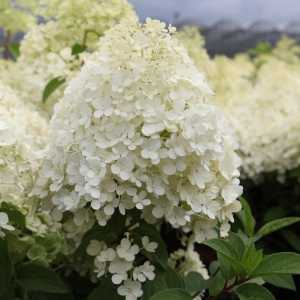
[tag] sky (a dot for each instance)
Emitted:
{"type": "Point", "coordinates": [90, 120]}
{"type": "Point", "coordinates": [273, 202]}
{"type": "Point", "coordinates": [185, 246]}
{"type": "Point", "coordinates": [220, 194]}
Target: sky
{"type": "Point", "coordinates": [208, 12]}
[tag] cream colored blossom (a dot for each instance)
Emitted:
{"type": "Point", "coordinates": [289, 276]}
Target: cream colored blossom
{"type": "Point", "coordinates": [23, 138]}
{"type": "Point", "coordinates": [194, 42]}
{"type": "Point", "coordinates": [46, 50]}
{"type": "Point", "coordinates": [261, 98]}
{"type": "Point", "coordinates": [17, 15]}
{"type": "Point", "coordinates": [135, 130]}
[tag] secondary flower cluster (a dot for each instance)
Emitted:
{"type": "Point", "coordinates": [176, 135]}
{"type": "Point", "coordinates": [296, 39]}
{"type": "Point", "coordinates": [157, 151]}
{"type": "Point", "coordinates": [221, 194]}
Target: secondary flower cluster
{"type": "Point", "coordinates": [259, 94]}
{"type": "Point", "coordinates": [120, 263]}
{"type": "Point", "coordinates": [50, 49]}
{"type": "Point", "coordinates": [23, 137]}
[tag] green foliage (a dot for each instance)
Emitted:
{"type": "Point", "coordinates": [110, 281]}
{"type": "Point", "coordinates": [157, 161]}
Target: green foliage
{"type": "Point", "coordinates": [33, 277]}
{"type": "Point", "coordinates": [78, 48]}
{"type": "Point", "coordinates": [6, 272]}
{"type": "Point", "coordinates": [172, 294]}
{"type": "Point", "coordinates": [276, 225]}
{"type": "Point", "coordinates": [52, 86]}
{"type": "Point", "coordinates": [284, 281]}
{"type": "Point", "coordinates": [14, 49]}
{"type": "Point", "coordinates": [252, 291]}
{"type": "Point", "coordinates": [278, 263]}
{"type": "Point", "coordinates": [16, 217]}
{"type": "Point", "coordinates": [261, 48]}
{"type": "Point", "coordinates": [105, 290]}
{"type": "Point", "coordinates": [195, 283]}
{"type": "Point", "coordinates": [160, 256]}
{"type": "Point", "coordinates": [246, 218]}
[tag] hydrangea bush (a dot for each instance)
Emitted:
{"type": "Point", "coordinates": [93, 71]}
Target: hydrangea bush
{"type": "Point", "coordinates": [117, 159]}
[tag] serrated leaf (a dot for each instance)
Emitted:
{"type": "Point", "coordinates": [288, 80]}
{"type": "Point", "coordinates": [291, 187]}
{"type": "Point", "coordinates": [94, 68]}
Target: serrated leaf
{"type": "Point", "coordinates": [223, 247]}
{"type": "Point", "coordinates": [284, 281]}
{"type": "Point", "coordinates": [278, 263]}
{"type": "Point", "coordinates": [246, 217]}
{"type": "Point", "coordinates": [275, 225]}
{"type": "Point", "coordinates": [52, 86]}
{"type": "Point", "coordinates": [172, 294]}
{"type": "Point", "coordinates": [33, 277]}
{"type": "Point", "coordinates": [252, 291]}
{"type": "Point", "coordinates": [6, 268]}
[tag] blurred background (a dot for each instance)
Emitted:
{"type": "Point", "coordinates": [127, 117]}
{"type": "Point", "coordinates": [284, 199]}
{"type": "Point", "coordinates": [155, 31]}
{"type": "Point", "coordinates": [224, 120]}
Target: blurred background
{"type": "Point", "coordinates": [229, 26]}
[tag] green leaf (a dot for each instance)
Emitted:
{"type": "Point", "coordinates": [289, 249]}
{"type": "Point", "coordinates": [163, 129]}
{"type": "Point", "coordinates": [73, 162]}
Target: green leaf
{"type": "Point", "coordinates": [252, 291]}
{"type": "Point", "coordinates": [172, 294]}
{"type": "Point", "coordinates": [194, 282]}
{"type": "Point", "coordinates": [223, 247]}
{"type": "Point", "coordinates": [106, 291]}
{"type": "Point", "coordinates": [278, 263]}
{"type": "Point", "coordinates": [165, 279]}
{"type": "Point", "coordinates": [217, 284]}
{"type": "Point", "coordinates": [174, 279]}
{"type": "Point", "coordinates": [246, 218]}
{"type": "Point", "coordinates": [292, 238]}
{"type": "Point", "coordinates": [152, 287]}
{"type": "Point", "coordinates": [33, 277]}
{"type": "Point", "coordinates": [110, 233]}
{"type": "Point", "coordinates": [261, 48]}
{"type": "Point", "coordinates": [78, 48]}
{"type": "Point", "coordinates": [16, 218]}
{"type": "Point", "coordinates": [160, 256]}
{"type": "Point", "coordinates": [14, 49]}
{"type": "Point", "coordinates": [275, 225]}
{"type": "Point", "coordinates": [225, 267]}
{"type": "Point", "coordinates": [251, 258]}
{"type": "Point", "coordinates": [284, 281]}
{"type": "Point", "coordinates": [6, 268]}
{"type": "Point", "coordinates": [52, 86]}
{"type": "Point", "coordinates": [47, 296]}
{"type": "Point", "coordinates": [237, 244]}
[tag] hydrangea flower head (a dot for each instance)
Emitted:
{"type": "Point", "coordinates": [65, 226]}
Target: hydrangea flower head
{"type": "Point", "coordinates": [23, 137]}
{"type": "Point", "coordinates": [47, 48]}
{"type": "Point", "coordinates": [134, 131]}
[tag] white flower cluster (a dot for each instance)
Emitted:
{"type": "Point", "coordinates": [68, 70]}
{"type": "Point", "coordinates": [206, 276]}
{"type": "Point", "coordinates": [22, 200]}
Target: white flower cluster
{"type": "Point", "coordinates": [134, 131]}
{"type": "Point", "coordinates": [17, 15]}
{"type": "Point", "coordinates": [120, 263]}
{"type": "Point", "coordinates": [260, 97]}
{"type": "Point", "coordinates": [23, 137]}
{"type": "Point", "coordinates": [4, 224]}
{"type": "Point", "coordinates": [187, 261]}
{"type": "Point", "coordinates": [194, 42]}
{"type": "Point", "coordinates": [262, 102]}
{"type": "Point", "coordinates": [46, 50]}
